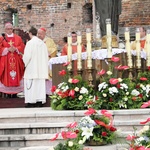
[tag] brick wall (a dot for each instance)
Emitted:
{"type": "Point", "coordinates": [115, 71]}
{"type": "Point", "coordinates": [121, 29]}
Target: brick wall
{"type": "Point", "coordinates": [135, 13]}
{"type": "Point", "coordinates": [61, 16]}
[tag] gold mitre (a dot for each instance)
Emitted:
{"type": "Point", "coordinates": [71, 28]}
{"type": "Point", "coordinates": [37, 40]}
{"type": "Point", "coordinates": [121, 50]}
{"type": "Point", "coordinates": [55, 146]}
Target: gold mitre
{"type": "Point", "coordinates": [114, 41]}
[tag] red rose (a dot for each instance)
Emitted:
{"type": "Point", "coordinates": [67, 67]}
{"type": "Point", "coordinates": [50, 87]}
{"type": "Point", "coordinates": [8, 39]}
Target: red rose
{"type": "Point", "coordinates": [112, 129]}
{"type": "Point", "coordinates": [53, 89]}
{"type": "Point", "coordinates": [62, 73]}
{"type": "Point", "coordinates": [110, 99]}
{"type": "Point", "coordinates": [140, 95]}
{"type": "Point", "coordinates": [118, 86]}
{"type": "Point", "coordinates": [104, 133]}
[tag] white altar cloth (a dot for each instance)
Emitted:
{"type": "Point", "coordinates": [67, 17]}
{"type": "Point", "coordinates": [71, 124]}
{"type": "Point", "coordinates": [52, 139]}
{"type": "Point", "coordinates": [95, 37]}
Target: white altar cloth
{"type": "Point", "coordinates": [96, 54]}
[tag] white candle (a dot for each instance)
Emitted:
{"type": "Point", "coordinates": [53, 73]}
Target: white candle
{"type": "Point", "coordinates": [148, 48]}
{"type": "Point", "coordinates": [79, 63]}
{"type": "Point", "coordinates": [128, 49]}
{"type": "Point", "coordinates": [138, 48]}
{"type": "Point", "coordinates": [108, 33]}
{"type": "Point", "coordinates": [89, 48]}
{"type": "Point", "coordinates": [69, 51]}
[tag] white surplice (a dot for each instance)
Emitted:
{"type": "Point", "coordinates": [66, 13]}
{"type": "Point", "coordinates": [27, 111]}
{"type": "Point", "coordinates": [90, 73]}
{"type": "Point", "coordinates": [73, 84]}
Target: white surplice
{"type": "Point", "coordinates": [36, 70]}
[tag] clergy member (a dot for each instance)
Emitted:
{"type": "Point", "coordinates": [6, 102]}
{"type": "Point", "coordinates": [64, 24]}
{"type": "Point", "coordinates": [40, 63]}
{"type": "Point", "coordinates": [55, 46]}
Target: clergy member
{"type": "Point", "coordinates": [36, 70]}
{"type": "Point", "coordinates": [52, 51]}
{"type": "Point", "coordinates": [74, 45]}
{"type": "Point", "coordinates": [142, 39]}
{"type": "Point", "coordinates": [11, 64]}
{"type": "Point", "coordinates": [52, 48]}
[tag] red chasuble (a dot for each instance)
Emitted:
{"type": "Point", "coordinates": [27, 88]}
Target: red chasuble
{"type": "Point", "coordinates": [142, 42]}
{"type": "Point", "coordinates": [11, 64]}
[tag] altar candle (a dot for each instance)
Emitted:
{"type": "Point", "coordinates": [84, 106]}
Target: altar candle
{"type": "Point", "coordinates": [127, 39]}
{"type": "Point", "coordinates": [89, 48]}
{"type": "Point", "coordinates": [128, 49]}
{"type": "Point", "coordinates": [69, 53]}
{"type": "Point", "coordinates": [148, 48]}
{"type": "Point", "coordinates": [138, 48]}
{"type": "Point", "coordinates": [79, 64]}
{"type": "Point", "coordinates": [108, 33]}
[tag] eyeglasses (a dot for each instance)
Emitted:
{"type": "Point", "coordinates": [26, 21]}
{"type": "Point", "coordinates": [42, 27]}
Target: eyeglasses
{"type": "Point", "coordinates": [9, 28]}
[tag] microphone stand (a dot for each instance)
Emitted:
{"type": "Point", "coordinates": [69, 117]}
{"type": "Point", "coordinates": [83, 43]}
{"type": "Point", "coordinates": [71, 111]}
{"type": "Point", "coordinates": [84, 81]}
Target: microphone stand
{"type": "Point", "coordinates": [2, 40]}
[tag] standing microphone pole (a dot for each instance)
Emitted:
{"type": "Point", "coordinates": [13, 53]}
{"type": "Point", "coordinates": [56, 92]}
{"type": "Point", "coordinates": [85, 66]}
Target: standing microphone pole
{"type": "Point", "coordinates": [4, 38]}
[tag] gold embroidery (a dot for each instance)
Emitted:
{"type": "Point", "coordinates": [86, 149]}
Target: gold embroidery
{"type": "Point", "coordinates": [10, 42]}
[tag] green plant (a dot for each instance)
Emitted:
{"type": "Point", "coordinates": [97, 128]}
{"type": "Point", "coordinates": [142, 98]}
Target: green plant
{"type": "Point", "coordinates": [94, 127]}
{"type": "Point", "coordinates": [140, 140]}
{"type": "Point", "coordinates": [71, 94]}
{"type": "Point", "coordinates": [120, 93]}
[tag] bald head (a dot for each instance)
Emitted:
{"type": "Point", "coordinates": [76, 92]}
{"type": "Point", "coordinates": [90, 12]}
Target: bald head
{"type": "Point", "coordinates": [41, 33]}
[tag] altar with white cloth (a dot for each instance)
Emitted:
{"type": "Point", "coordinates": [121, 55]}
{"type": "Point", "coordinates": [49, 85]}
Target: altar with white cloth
{"type": "Point", "coordinates": [99, 62]}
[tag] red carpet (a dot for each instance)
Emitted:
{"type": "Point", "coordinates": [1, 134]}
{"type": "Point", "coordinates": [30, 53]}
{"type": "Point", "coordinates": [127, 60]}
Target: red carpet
{"type": "Point", "coordinates": [17, 102]}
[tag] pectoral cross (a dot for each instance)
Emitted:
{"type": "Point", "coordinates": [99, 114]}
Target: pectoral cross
{"type": "Point", "coordinates": [10, 42]}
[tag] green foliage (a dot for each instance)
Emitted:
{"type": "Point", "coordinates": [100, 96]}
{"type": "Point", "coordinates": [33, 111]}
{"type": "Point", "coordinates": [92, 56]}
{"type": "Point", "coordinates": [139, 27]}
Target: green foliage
{"type": "Point", "coordinates": [69, 145]}
{"type": "Point", "coordinates": [72, 96]}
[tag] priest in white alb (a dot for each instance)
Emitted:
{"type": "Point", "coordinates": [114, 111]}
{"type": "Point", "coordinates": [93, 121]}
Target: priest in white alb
{"type": "Point", "coordinates": [36, 70]}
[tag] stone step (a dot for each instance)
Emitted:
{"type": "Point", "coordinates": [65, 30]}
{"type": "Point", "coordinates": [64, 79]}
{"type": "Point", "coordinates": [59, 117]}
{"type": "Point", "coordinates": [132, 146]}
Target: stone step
{"type": "Point", "coordinates": [25, 127]}
{"type": "Point", "coordinates": [9, 148]}
{"type": "Point", "coordinates": [46, 114]}
{"type": "Point", "coordinates": [25, 140]}
{"type": "Point", "coordinates": [42, 139]}
{"type": "Point", "coordinates": [42, 127]}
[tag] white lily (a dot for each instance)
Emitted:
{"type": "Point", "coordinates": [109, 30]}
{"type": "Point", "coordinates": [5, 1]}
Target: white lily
{"type": "Point", "coordinates": [87, 132]}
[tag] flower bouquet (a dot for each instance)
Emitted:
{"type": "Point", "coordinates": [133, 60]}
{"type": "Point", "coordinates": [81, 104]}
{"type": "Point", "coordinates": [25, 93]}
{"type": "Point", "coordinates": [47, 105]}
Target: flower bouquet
{"type": "Point", "coordinates": [120, 93]}
{"type": "Point", "coordinates": [113, 93]}
{"type": "Point", "coordinates": [71, 94]}
{"type": "Point", "coordinates": [141, 90]}
{"type": "Point", "coordinates": [96, 129]}
{"type": "Point", "coordinates": [140, 140]}
{"type": "Point", "coordinates": [93, 129]}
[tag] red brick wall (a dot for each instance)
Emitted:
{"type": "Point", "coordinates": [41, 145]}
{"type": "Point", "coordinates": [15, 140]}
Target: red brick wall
{"type": "Point", "coordinates": [135, 13]}
{"type": "Point", "coordinates": [47, 12]}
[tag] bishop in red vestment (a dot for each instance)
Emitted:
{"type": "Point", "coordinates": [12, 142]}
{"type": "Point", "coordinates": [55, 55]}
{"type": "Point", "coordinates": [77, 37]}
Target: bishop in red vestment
{"type": "Point", "coordinates": [11, 63]}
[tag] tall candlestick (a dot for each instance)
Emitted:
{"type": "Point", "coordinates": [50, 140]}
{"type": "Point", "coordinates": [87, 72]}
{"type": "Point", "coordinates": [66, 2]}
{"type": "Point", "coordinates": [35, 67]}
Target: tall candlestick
{"type": "Point", "coordinates": [148, 48]}
{"type": "Point", "coordinates": [79, 63]}
{"type": "Point", "coordinates": [128, 49]}
{"type": "Point", "coordinates": [69, 53]}
{"type": "Point", "coordinates": [109, 38]}
{"type": "Point", "coordinates": [138, 48]}
{"type": "Point", "coordinates": [89, 48]}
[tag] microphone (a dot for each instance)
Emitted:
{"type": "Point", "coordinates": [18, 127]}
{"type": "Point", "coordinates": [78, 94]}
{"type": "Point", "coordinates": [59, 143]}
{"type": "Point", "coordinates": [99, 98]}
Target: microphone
{"type": "Point", "coordinates": [4, 36]}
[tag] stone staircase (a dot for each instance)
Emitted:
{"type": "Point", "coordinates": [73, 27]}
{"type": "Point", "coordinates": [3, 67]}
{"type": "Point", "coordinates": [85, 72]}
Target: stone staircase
{"type": "Point", "coordinates": [25, 127]}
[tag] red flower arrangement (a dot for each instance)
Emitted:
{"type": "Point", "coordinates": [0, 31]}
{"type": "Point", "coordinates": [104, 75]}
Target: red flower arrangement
{"type": "Point", "coordinates": [94, 128]}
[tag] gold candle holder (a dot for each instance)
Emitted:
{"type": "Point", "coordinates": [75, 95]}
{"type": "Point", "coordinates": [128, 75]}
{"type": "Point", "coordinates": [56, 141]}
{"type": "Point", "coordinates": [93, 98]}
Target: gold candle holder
{"type": "Point", "coordinates": [89, 56]}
